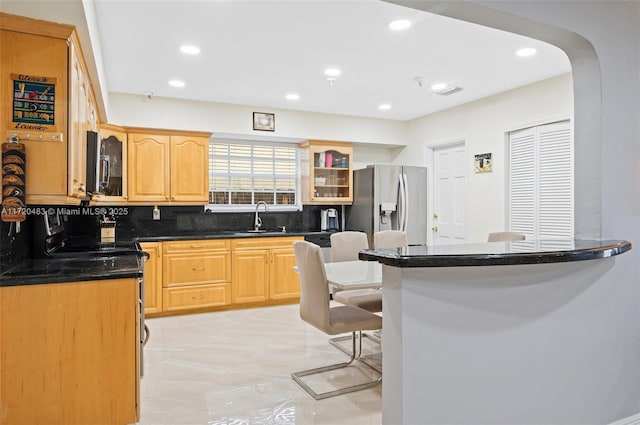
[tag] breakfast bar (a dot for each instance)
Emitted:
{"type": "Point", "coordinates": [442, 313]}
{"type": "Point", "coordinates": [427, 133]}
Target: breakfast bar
{"type": "Point", "coordinates": [501, 332]}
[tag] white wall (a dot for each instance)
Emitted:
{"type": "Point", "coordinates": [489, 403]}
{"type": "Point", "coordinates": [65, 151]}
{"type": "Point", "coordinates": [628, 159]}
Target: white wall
{"type": "Point", "coordinates": [482, 125]}
{"type": "Point", "coordinates": [157, 112]}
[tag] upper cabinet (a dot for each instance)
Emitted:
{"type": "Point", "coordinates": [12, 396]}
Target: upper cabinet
{"type": "Point", "coordinates": [110, 174]}
{"type": "Point", "coordinates": [52, 106]}
{"type": "Point", "coordinates": [168, 166]}
{"type": "Point", "coordinates": [326, 169]}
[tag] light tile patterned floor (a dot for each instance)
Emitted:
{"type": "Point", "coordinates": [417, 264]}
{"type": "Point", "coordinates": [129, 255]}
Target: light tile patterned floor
{"type": "Point", "coordinates": [234, 367]}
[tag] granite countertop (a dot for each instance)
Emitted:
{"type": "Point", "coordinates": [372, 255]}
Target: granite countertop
{"type": "Point", "coordinates": [230, 234]}
{"type": "Point", "coordinates": [497, 253]}
{"type": "Point", "coordinates": [81, 268]}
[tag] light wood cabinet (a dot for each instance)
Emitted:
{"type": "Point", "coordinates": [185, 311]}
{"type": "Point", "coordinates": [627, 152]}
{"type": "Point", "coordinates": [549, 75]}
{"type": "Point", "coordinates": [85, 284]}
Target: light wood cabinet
{"type": "Point", "coordinates": [56, 156]}
{"type": "Point", "coordinates": [166, 167]}
{"type": "Point", "coordinates": [263, 269]}
{"type": "Point", "coordinates": [326, 171]}
{"type": "Point", "coordinates": [113, 150]}
{"type": "Point", "coordinates": [196, 274]}
{"type": "Point", "coordinates": [153, 278]}
{"type": "Point", "coordinates": [70, 353]}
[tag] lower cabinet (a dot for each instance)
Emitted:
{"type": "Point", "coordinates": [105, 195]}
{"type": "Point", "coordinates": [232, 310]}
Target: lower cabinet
{"type": "Point", "coordinates": [199, 274]}
{"type": "Point", "coordinates": [263, 269]}
{"type": "Point", "coordinates": [152, 278]}
{"type": "Point", "coordinates": [70, 353]}
{"type": "Point", "coordinates": [196, 274]}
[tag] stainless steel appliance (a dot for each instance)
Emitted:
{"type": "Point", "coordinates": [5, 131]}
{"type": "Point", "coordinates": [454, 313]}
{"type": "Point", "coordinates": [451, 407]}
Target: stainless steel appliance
{"type": "Point", "coordinates": [329, 220]}
{"type": "Point", "coordinates": [390, 197]}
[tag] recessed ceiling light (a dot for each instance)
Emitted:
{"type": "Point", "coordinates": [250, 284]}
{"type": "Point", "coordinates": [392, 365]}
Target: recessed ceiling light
{"type": "Point", "coordinates": [190, 50]}
{"type": "Point", "coordinates": [384, 107]}
{"type": "Point", "coordinates": [528, 51]}
{"type": "Point", "coordinates": [438, 86]}
{"type": "Point", "coordinates": [176, 83]}
{"type": "Point", "coordinates": [332, 72]}
{"type": "Point", "coordinates": [399, 24]}
{"type": "Point", "coordinates": [292, 96]}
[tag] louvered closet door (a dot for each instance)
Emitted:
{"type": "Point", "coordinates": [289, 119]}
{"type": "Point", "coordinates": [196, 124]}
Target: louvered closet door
{"type": "Point", "coordinates": [541, 181]}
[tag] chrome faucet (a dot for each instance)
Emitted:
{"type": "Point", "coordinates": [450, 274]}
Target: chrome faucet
{"type": "Point", "coordinates": [258, 221]}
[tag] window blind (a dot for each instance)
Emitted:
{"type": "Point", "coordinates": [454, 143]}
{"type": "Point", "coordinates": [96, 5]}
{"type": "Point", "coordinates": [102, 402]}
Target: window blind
{"type": "Point", "coordinates": [247, 173]}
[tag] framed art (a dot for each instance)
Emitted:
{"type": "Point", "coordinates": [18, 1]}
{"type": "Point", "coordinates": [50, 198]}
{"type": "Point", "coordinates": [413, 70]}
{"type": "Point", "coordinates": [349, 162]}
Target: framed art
{"type": "Point", "coordinates": [483, 163]}
{"type": "Point", "coordinates": [264, 121]}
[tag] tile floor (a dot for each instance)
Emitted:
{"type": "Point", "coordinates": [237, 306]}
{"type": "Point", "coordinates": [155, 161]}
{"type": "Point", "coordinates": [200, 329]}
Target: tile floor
{"type": "Point", "coordinates": [234, 367]}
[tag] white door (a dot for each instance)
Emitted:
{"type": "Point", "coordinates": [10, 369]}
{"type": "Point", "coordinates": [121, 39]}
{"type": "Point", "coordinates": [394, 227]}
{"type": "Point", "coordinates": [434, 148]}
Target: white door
{"type": "Point", "coordinates": [450, 194]}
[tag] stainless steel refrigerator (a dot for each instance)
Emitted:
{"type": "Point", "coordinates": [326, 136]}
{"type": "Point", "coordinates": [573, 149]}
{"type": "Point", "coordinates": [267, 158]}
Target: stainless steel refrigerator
{"type": "Point", "coordinates": [390, 197]}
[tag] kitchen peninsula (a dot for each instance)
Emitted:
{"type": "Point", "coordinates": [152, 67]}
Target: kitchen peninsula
{"type": "Point", "coordinates": [503, 332]}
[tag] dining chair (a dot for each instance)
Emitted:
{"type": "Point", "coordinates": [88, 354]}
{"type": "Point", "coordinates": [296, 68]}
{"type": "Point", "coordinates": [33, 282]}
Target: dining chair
{"type": "Point", "coordinates": [315, 309]}
{"type": "Point", "coordinates": [505, 236]}
{"type": "Point", "coordinates": [345, 246]}
{"type": "Point", "coordinates": [389, 239]}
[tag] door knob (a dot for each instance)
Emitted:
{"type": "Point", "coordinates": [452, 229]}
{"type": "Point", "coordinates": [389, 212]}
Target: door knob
{"type": "Point", "coordinates": [435, 228]}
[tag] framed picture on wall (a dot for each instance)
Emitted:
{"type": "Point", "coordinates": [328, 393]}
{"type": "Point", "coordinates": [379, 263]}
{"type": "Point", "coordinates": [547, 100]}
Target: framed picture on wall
{"type": "Point", "coordinates": [483, 163]}
{"type": "Point", "coordinates": [264, 121]}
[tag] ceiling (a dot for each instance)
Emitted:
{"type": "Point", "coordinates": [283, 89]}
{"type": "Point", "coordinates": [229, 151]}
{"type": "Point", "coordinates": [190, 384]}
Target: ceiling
{"type": "Point", "coordinates": [256, 52]}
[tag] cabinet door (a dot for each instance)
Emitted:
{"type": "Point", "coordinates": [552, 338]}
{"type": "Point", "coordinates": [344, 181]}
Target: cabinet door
{"type": "Point", "coordinates": [148, 170]}
{"type": "Point", "coordinates": [112, 173]}
{"type": "Point", "coordinates": [35, 55]}
{"type": "Point", "coordinates": [327, 173]}
{"type": "Point", "coordinates": [76, 184]}
{"type": "Point", "coordinates": [153, 278]}
{"type": "Point", "coordinates": [195, 269]}
{"type": "Point", "coordinates": [189, 169]}
{"type": "Point", "coordinates": [284, 283]}
{"type": "Point", "coordinates": [250, 282]}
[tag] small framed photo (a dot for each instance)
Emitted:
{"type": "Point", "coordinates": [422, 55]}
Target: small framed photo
{"type": "Point", "coordinates": [264, 122]}
{"type": "Point", "coordinates": [483, 163]}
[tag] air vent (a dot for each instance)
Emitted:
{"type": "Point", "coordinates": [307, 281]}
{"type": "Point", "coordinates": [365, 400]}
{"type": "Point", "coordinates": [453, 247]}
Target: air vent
{"type": "Point", "coordinates": [447, 91]}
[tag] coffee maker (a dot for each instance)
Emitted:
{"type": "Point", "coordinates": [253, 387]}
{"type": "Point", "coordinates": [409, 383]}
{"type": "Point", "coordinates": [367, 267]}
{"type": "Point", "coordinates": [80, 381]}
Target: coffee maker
{"type": "Point", "coordinates": [329, 220]}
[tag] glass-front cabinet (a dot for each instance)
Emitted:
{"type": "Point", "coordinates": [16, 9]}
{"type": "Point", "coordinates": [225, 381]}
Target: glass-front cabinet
{"type": "Point", "coordinates": [326, 169]}
{"type": "Point", "coordinates": [111, 166]}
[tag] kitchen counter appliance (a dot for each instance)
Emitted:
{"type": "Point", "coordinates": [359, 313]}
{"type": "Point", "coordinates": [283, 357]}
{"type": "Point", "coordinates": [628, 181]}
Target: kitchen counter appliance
{"type": "Point", "coordinates": [329, 220]}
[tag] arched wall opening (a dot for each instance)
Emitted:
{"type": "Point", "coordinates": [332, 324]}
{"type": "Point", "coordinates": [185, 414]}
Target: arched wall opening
{"type": "Point", "coordinates": [587, 97]}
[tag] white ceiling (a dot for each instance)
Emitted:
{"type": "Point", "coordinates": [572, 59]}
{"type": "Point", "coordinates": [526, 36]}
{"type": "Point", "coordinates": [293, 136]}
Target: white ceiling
{"type": "Point", "coordinates": [255, 52]}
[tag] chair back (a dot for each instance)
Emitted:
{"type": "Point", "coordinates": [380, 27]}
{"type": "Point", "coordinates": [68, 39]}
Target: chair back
{"type": "Point", "coordinates": [389, 239]}
{"type": "Point", "coordinates": [314, 288]}
{"type": "Point", "coordinates": [346, 245]}
{"type": "Point", "coordinates": [505, 236]}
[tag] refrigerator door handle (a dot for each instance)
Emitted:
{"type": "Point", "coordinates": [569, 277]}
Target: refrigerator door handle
{"type": "Point", "coordinates": [405, 207]}
{"type": "Point", "coordinates": [402, 203]}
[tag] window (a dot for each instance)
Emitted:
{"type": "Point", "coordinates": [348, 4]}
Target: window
{"type": "Point", "coordinates": [541, 181]}
{"type": "Point", "coordinates": [243, 173]}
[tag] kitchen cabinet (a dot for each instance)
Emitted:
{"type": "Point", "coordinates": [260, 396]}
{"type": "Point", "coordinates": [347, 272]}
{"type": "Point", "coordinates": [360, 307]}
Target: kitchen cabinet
{"type": "Point", "coordinates": [263, 270]}
{"type": "Point", "coordinates": [326, 171]}
{"type": "Point", "coordinates": [113, 164]}
{"type": "Point", "coordinates": [70, 353]}
{"type": "Point", "coordinates": [196, 274]}
{"type": "Point", "coordinates": [55, 140]}
{"type": "Point", "coordinates": [167, 166]}
{"type": "Point", "coordinates": [152, 278]}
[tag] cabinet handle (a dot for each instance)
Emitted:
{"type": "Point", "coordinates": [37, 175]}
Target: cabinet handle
{"type": "Point", "coordinates": [198, 268]}
{"type": "Point", "coordinates": [196, 246]}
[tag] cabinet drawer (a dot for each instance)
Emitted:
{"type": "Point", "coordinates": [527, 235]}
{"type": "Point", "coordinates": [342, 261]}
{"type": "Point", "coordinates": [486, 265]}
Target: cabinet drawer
{"type": "Point", "coordinates": [189, 269]}
{"type": "Point", "coordinates": [195, 246]}
{"type": "Point", "coordinates": [188, 297]}
{"type": "Point", "coordinates": [265, 242]}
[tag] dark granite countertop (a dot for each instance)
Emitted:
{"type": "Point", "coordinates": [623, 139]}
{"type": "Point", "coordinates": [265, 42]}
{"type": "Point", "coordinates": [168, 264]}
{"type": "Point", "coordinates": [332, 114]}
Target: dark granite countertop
{"type": "Point", "coordinates": [497, 253]}
{"type": "Point", "coordinates": [230, 234]}
{"type": "Point", "coordinates": [78, 269]}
